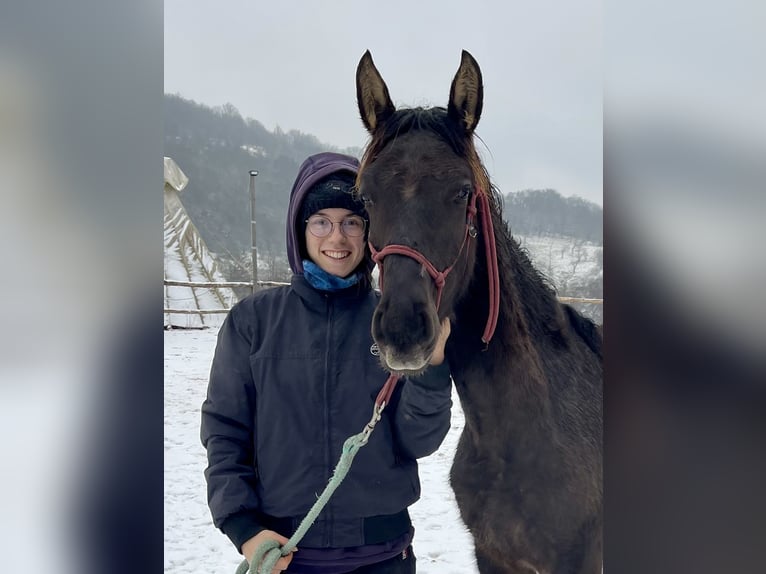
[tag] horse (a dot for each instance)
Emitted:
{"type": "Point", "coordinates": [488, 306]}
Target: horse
{"type": "Point", "coordinates": [527, 473]}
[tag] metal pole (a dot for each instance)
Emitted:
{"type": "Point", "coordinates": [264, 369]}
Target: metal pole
{"type": "Point", "coordinates": [254, 253]}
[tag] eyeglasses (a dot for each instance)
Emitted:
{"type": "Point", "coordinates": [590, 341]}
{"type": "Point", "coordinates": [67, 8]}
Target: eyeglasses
{"type": "Point", "coordinates": [321, 226]}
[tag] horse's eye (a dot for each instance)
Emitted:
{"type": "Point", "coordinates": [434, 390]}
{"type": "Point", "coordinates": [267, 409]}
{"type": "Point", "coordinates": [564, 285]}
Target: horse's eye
{"type": "Point", "coordinates": [464, 192]}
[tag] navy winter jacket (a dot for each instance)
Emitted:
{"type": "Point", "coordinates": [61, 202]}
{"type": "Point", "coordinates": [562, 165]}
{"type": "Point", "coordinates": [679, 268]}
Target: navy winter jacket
{"type": "Point", "coordinates": [294, 375]}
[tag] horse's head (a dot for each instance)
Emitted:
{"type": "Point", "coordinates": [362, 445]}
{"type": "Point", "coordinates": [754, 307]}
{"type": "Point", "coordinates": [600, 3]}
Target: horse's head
{"type": "Point", "coordinates": [419, 180]}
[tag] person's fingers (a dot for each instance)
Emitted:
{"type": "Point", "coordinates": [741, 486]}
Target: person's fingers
{"type": "Point", "coordinates": [281, 539]}
{"type": "Point", "coordinates": [250, 547]}
{"type": "Point", "coordinates": [437, 357]}
{"type": "Point", "coordinates": [283, 563]}
{"type": "Point", "coordinates": [446, 329]}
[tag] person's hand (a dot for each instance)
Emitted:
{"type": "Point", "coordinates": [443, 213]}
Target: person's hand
{"type": "Point", "coordinates": [437, 357]}
{"type": "Point", "coordinates": [249, 548]}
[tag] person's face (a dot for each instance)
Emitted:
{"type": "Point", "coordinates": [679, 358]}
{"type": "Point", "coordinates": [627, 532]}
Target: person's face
{"type": "Point", "coordinates": [336, 253]}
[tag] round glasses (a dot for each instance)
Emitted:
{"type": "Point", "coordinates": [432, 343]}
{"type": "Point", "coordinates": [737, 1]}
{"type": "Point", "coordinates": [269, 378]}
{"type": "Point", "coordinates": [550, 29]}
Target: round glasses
{"type": "Point", "coordinates": [321, 226]}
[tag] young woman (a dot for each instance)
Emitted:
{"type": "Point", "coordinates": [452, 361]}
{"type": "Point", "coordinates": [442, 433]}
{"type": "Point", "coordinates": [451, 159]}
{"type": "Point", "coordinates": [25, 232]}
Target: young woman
{"type": "Point", "coordinates": [295, 374]}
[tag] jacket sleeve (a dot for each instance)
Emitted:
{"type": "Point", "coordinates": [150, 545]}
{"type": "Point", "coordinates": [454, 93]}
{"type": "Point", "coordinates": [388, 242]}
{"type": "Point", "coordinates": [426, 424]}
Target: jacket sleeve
{"type": "Point", "coordinates": [228, 424]}
{"type": "Point", "coordinates": [422, 412]}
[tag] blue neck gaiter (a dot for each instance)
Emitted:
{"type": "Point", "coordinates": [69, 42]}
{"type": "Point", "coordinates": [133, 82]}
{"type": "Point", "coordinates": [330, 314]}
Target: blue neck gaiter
{"type": "Point", "coordinates": [324, 281]}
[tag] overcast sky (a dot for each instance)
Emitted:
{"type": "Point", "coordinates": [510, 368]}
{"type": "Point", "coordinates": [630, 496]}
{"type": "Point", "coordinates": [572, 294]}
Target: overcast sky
{"type": "Point", "coordinates": [292, 63]}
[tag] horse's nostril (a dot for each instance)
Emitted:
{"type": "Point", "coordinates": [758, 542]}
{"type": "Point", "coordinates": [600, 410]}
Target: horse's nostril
{"type": "Point", "coordinates": [425, 326]}
{"type": "Point", "coordinates": [377, 329]}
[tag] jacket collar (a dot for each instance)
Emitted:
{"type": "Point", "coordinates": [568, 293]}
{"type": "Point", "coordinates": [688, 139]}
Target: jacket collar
{"type": "Point", "coordinates": [316, 298]}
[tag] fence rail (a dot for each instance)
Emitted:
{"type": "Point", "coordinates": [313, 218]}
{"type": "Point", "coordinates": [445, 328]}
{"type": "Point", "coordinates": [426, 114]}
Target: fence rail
{"type": "Point", "coordinates": [581, 300]}
{"type": "Point", "coordinates": [249, 284]}
{"type": "Point", "coordinates": [195, 311]}
{"type": "Point", "coordinates": [221, 284]}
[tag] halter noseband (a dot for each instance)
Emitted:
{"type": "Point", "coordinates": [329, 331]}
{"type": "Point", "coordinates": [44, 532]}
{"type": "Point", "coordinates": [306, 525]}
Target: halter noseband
{"type": "Point", "coordinates": [440, 277]}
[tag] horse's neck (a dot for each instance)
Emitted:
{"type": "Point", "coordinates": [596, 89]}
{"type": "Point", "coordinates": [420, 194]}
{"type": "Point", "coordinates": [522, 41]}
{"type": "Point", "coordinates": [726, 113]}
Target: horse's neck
{"type": "Point", "coordinates": [508, 371]}
{"type": "Point", "coordinates": [529, 309]}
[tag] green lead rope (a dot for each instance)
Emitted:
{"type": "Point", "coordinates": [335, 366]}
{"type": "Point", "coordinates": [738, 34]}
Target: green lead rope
{"type": "Point", "coordinates": [269, 552]}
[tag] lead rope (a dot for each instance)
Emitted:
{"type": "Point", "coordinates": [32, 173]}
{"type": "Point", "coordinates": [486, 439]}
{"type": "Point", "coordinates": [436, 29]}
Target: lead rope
{"type": "Point", "coordinates": [269, 552]}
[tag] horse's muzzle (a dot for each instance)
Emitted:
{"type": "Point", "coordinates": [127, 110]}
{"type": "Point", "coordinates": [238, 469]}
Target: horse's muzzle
{"type": "Point", "coordinates": [406, 334]}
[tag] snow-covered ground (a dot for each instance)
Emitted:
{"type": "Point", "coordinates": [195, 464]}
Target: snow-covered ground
{"type": "Point", "coordinates": [194, 546]}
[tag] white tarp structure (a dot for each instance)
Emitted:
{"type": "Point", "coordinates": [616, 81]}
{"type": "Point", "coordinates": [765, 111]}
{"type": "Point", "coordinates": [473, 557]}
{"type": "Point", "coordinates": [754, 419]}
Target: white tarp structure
{"type": "Point", "coordinates": [188, 259]}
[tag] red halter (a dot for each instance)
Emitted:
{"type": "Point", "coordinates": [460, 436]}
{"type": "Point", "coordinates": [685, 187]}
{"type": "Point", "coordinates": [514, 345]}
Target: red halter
{"type": "Point", "coordinates": [439, 277]}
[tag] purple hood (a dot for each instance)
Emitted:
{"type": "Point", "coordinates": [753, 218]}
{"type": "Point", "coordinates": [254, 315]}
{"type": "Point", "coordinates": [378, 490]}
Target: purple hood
{"type": "Point", "coordinates": [312, 170]}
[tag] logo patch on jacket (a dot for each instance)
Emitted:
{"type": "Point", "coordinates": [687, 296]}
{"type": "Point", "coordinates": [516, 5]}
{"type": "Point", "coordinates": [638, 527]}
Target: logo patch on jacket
{"type": "Point", "coordinates": [374, 350]}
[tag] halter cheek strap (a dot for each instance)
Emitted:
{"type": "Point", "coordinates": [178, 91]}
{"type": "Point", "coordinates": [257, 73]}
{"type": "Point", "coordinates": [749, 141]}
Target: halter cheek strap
{"type": "Point", "coordinates": [440, 277]}
{"type": "Point", "coordinates": [493, 278]}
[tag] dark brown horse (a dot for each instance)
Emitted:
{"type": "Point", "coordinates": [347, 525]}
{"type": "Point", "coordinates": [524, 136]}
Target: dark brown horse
{"type": "Point", "coordinates": [527, 472]}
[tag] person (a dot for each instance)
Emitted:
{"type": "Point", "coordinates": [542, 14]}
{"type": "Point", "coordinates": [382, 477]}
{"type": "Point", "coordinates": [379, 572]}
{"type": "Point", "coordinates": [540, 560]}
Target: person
{"type": "Point", "coordinates": [295, 373]}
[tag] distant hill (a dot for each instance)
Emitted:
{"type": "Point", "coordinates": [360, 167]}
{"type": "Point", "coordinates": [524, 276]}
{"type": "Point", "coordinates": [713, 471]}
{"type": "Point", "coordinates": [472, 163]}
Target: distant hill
{"type": "Point", "coordinates": [216, 147]}
{"type": "Point", "coordinates": [547, 212]}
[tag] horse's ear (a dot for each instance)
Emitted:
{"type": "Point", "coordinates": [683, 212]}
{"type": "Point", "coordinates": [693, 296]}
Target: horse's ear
{"type": "Point", "coordinates": [375, 105]}
{"type": "Point", "coordinates": [466, 96]}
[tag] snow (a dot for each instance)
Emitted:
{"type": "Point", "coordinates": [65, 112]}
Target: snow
{"type": "Point", "coordinates": [567, 262]}
{"type": "Point", "coordinates": [193, 545]}
{"type": "Point", "coordinates": [188, 259]}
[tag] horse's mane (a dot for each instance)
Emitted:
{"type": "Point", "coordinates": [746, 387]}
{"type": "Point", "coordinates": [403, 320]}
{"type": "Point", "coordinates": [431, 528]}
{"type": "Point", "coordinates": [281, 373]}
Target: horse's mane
{"type": "Point", "coordinates": [404, 120]}
{"type": "Point", "coordinates": [586, 329]}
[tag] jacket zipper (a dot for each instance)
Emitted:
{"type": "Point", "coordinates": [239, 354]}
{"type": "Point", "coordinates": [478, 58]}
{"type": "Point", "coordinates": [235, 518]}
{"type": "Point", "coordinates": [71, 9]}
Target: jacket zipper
{"type": "Point", "coordinates": [328, 434]}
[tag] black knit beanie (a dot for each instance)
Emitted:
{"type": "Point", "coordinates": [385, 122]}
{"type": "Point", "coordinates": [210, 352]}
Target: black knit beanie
{"type": "Point", "coordinates": [335, 190]}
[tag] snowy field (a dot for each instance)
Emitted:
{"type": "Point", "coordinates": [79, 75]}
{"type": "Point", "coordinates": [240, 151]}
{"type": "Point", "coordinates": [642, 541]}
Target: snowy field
{"type": "Point", "coordinates": [194, 546]}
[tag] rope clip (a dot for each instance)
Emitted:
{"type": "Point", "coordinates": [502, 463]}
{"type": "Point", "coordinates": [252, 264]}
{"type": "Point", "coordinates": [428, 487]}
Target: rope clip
{"type": "Point", "coordinates": [377, 410]}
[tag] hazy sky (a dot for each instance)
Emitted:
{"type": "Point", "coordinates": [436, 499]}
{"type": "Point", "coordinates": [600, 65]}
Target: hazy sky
{"type": "Point", "coordinates": [292, 63]}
